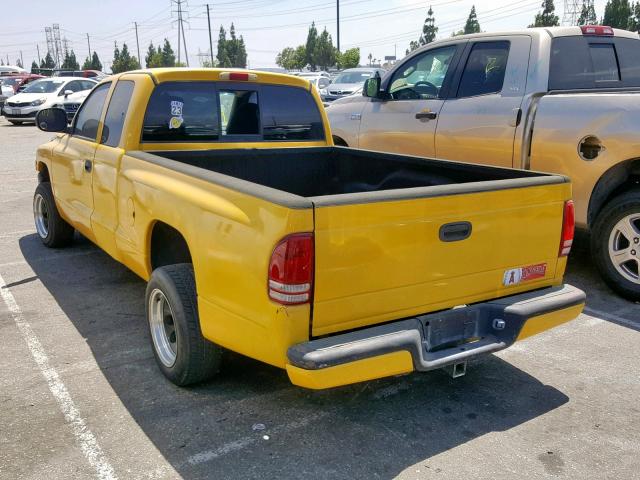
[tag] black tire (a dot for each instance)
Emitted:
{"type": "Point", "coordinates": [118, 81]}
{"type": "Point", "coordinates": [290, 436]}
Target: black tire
{"type": "Point", "coordinates": [623, 206]}
{"type": "Point", "coordinates": [15, 122]}
{"type": "Point", "coordinates": [196, 359]}
{"type": "Point", "coordinates": [56, 232]}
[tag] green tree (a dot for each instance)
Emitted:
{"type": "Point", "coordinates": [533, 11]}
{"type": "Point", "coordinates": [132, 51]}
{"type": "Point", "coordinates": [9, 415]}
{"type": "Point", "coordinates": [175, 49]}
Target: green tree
{"type": "Point", "coordinates": [588, 14]}
{"type": "Point", "coordinates": [310, 47]}
{"type": "Point", "coordinates": [413, 45]}
{"type": "Point", "coordinates": [34, 67]}
{"type": "Point", "coordinates": [617, 14]}
{"type": "Point", "coordinates": [325, 53]}
{"type": "Point", "coordinates": [634, 21]}
{"type": "Point", "coordinates": [546, 18]}
{"type": "Point", "coordinates": [168, 55]}
{"type": "Point", "coordinates": [70, 62]}
{"type": "Point", "coordinates": [123, 61]}
{"type": "Point", "coordinates": [429, 29]}
{"type": "Point", "coordinates": [349, 59]}
{"type": "Point", "coordinates": [47, 61]}
{"type": "Point", "coordinates": [222, 56]}
{"type": "Point", "coordinates": [287, 59]}
{"type": "Point", "coordinates": [472, 25]}
{"type": "Point", "coordinates": [92, 63]}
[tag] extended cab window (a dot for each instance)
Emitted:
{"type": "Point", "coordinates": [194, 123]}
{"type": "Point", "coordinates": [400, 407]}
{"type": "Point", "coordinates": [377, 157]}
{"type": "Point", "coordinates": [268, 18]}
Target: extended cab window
{"type": "Point", "coordinates": [182, 111]}
{"type": "Point", "coordinates": [422, 76]}
{"type": "Point", "coordinates": [290, 113]}
{"type": "Point", "coordinates": [117, 110]}
{"type": "Point", "coordinates": [485, 69]}
{"type": "Point", "coordinates": [239, 112]}
{"type": "Point", "coordinates": [88, 117]}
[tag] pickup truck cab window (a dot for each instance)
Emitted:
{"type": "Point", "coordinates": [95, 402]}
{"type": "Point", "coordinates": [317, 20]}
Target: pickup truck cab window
{"type": "Point", "coordinates": [485, 69]}
{"type": "Point", "coordinates": [239, 112]}
{"type": "Point", "coordinates": [182, 111]}
{"type": "Point", "coordinates": [88, 117]}
{"type": "Point", "coordinates": [290, 113]}
{"type": "Point", "coordinates": [422, 76]}
{"type": "Point", "coordinates": [116, 112]}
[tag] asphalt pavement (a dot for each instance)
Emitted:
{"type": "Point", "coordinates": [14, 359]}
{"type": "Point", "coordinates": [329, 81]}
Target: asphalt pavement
{"type": "Point", "coordinates": [81, 396]}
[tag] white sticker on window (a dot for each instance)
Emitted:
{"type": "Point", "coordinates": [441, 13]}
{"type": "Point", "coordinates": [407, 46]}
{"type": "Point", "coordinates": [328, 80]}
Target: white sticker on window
{"type": "Point", "coordinates": [176, 108]}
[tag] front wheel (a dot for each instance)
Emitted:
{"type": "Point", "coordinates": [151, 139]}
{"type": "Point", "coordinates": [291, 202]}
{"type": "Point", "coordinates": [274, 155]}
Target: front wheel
{"type": "Point", "coordinates": [52, 229]}
{"type": "Point", "coordinates": [184, 356]}
{"type": "Point", "coordinates": [615, 243]}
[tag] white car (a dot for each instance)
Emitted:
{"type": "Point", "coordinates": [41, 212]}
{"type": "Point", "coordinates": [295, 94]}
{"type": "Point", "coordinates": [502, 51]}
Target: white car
{"type": "Point", "coordinates": [71, 103]}
{"type": "Point", "coordinates": [41, 94]}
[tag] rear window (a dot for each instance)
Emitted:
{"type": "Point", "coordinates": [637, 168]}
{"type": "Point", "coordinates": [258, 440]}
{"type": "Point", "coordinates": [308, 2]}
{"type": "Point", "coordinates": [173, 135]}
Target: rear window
{"type": "Point", "coordinates": [227, 112]}
{"type": "Point", "coordinates": [594, 62]}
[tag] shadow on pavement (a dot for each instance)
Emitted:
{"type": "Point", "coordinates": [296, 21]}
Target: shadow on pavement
{"type": "Point", "coordinates": [371, 430]}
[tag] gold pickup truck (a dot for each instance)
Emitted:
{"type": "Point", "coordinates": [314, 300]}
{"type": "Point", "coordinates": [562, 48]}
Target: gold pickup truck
{"type": "Point", "coordinates": [223, 190]}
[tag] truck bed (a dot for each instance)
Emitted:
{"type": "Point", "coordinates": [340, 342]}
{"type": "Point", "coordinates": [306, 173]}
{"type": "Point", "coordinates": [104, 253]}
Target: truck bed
{"type": "Point", "coordinates": [319, 172]}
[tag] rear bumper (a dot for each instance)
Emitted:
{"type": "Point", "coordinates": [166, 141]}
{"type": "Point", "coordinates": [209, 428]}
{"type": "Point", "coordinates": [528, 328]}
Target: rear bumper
{"type": "Point", "coordinates": [430, 341]}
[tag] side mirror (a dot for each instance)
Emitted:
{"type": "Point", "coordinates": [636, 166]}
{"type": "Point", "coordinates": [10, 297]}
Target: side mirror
{"type": "Point", "coordinates": [371, 87]}
{"type": "Point", "coordinates": [67, 93]}
{"type": "Point", "coordinates": [52, 120]}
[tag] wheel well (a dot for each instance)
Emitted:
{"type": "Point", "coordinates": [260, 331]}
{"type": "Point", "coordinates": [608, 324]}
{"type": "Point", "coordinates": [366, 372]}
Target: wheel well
{"type": "Point", "coordinates": [339, 141]}
{"type": "Point", "coordinates": [168, 246]}
{"type": "Point", "coordinates": [43, 173]}
{"type": "Point", "coordinates": [615, 181]}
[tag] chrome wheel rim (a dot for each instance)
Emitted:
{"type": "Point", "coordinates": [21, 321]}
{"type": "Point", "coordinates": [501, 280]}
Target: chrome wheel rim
{"type": "Point", "coordinates": [624, 247]}
{"type": "Point", "coordinates": [163, 329]}
{"type": "Point", "coordinates": [41, 215]}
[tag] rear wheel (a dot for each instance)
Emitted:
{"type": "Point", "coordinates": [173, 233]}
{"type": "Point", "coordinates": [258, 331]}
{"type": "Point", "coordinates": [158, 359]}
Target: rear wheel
{"type": "Point", "coordinates": [615, 243]}
{"type": "Point", "coordinates": [184, 356]}
{"type": "Point", "coordinates": [52, 229]}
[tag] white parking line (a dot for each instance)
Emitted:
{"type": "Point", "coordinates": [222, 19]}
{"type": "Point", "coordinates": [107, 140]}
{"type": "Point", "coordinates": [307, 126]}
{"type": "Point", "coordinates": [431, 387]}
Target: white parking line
{"type": "Point", "coordinates": [85, 438]}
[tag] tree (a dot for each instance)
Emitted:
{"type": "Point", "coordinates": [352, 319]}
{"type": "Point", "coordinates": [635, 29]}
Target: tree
{"type": "Point", "coordinates": [34, 67]}
{"type": "Point", "coordinates": [429, 29]}
{"type": "Point", "coordinates": [18, 63]}
{"type": "Point", "coordinates": [310, 47]}
{"type": "Point", "coordinates": [413, 45]}
{"type": "Point", "coordinates": [47, 62]}
{"type": "Point", "coordinates": [123, 61]}
{"type": "Point", "coordinates": [588, 14]}
{"type": "Point", "coordinates": [634, 21]}
{"type": "Point", "coordinates": [349, 59]}
{"type": "Point", "coordinates": [472, 25]}
{"type": "Point", "coordinates": [168, 56]}
{"type": "Point", "coordinates": [232, 52]}
{"type": "Point", "coordinates": [617, 14]}
{"type": "Point", "coordinates": [70, 62]}
{"type": "Point", "coordinates": [287, 59]}
{"type": "Point", "coordinates": [370, 57]}
{"type": "Point", "coordinates": [546, 18]}
{"type": "Point", "coordinates": [222, 56]}
{"type": "Point", "coordinates": [325, 53]}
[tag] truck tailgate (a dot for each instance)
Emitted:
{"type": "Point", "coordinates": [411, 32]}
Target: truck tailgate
{"type": "Point", "coordinates": [390, 259]}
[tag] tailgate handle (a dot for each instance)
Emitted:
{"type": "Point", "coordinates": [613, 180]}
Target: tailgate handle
{"type": "Point", "coordinates": [454, 232]}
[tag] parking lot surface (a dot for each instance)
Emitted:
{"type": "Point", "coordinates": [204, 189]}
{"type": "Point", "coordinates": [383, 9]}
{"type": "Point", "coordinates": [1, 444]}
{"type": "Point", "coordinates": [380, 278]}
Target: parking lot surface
{"type": "Point", "coordinates": [81, 396]}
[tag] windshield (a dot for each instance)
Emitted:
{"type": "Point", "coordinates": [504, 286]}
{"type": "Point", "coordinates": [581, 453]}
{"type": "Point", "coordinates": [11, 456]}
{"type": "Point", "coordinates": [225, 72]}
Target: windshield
{"type": "Point", "coordinates": [44, 86]}
{"type": "Point", "coordinates": [352, 77]}
{"type": "Point", "coordinates": [9, 81]}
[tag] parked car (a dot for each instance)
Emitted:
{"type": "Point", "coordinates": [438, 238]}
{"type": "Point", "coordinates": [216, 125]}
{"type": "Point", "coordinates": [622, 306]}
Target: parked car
{"type": "Point", "coordinates": [319, 81]}
{"type": "Point", "coordinates": [11, 70]}
{"type": "Point", "coordinates": [257, 235]}
{"type": "Point", "coordinates": [347, 82]}
{"type": "Point", "coordinates": [12, 84]}
{"type": "Point", "coordinates": [95, 74]}
{"type": "Point", "coordinates": [71, 103]}
{"type": "Point", "coordinates": [41, 94]}
{"type": "Point", "coordinates": [563, 100]}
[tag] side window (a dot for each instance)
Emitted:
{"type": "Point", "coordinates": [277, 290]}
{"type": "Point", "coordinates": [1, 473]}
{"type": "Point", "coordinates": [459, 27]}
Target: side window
{"type": "Point", "coordinates": [290, 113]}
{"type": "Point", "coordinates": [422, 76]}
{"type": "Point", "coordinates": [88, 117]}
{"type": "Point", "coordinates": [605, 62]}
{"type": "Point", "coordinates": [87, 85]}
{"type": "Point", "coordinates": [239, 112]}
{"type": "Point", "coordinates": [485, 69]}
{"type": "Point", "coordinates": [182, 111]}
{"type": "Point", "coordinates": [74, 86]}
{"type": "Point", "coordinates": [116, 111]}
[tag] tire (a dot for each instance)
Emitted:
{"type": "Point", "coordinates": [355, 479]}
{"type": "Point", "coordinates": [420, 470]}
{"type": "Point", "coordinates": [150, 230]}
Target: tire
{"type": "Point", "coordinates": [52, 229]}
{"type": "Point", "coordinates": [617, 230]}
{"type": "Point", "coordinates": [184, 356]}
{"type": "Point", "coordinates": [15, 122]}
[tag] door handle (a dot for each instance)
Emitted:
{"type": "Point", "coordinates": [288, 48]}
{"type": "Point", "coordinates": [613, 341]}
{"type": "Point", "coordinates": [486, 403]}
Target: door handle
{"type": "Point", "coordinates": [456, 231]}
{"type": "Point", "coordinates": [427, 115]}
{"type": "Point", "coordinates": [87, 165]}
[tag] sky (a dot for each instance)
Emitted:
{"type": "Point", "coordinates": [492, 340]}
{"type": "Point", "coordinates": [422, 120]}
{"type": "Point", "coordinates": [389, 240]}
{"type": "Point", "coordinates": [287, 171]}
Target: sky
{"type": "Point", "coordinates": [380, 27]}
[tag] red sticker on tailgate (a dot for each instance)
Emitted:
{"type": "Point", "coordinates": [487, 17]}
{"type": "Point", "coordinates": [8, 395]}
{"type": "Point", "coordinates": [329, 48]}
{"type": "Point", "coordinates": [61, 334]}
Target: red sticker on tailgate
{"type": "Point", "coordinates": [515, 276]}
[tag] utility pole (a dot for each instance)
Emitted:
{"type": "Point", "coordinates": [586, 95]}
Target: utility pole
{"type": "Point", "coordinates": [138, 44]}
{"type": "Point", "coordinates": [89, 46]}
{"type": "Point", "coordinates": [338, 21]}
{"type": "Point", "coordinates": [21, 59]}
{"type": "Point", "coordinates": [38, 48]}
{"type": "Point", "coordinates": [180, 21]}
{"type": "Point", "coordinates": [210, 41]}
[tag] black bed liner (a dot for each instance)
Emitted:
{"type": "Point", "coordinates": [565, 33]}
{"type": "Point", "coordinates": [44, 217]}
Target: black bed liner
{"type": "Point", "coordinates": [302, 177]}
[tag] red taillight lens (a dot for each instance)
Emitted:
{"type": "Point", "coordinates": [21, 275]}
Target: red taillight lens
{"type": "Point", "coordinates": [291, 270]}
{"type": "Point", "coordinates": [242, 77]}
{"type": "Point", "coordinates": [568, 228]}
{"type": "Point", "coordinates": [596, 30]}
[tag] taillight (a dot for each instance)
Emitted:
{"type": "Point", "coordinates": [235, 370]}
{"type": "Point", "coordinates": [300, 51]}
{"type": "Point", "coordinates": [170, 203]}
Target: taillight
{"type": "Point", "coordinates": [597, 30]}
{"type": "Point", "coordinates": [238, 76]}
{"type": "Point", "coordinates": [568, 227]}
{"type": "Point", "coordinates": [291, 270]}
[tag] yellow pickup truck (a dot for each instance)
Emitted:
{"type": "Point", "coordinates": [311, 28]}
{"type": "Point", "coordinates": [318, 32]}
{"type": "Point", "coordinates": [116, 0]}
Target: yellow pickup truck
{"type": "Point", "coordinates": [223, 189]}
